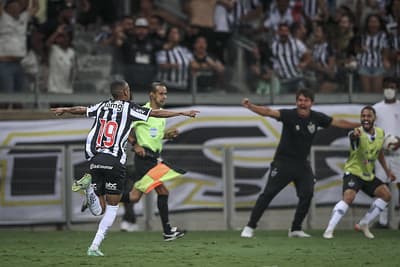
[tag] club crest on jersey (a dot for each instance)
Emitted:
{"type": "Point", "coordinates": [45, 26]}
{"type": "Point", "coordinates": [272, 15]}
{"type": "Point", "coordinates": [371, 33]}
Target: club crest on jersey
{"type": "Point", "coordinates": [297, 127]}
{"type": "Point", "coordinates": [311, 127]}
{"type": "Point", "coordinates": [351, 183]}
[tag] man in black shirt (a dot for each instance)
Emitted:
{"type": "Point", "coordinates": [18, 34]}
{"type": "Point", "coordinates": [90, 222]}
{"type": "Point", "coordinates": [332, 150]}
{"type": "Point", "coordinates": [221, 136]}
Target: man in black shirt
{"type": "Point", "coordinates": [290, 162]}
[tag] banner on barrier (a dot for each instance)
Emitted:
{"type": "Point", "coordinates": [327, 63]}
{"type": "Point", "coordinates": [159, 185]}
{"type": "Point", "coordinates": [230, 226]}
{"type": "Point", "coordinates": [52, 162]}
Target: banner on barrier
{"type": "Point", "coordinates": [31, 180]}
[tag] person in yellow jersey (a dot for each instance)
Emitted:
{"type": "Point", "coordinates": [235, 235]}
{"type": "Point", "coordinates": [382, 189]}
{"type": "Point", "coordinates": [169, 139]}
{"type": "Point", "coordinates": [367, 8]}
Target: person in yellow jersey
{"type": "Point", "coordinates": [150, 171]}
{"type": "Point", "coordinates": [366, 147]}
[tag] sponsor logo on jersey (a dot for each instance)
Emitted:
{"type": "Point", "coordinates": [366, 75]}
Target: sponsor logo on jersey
{"type": "Point", "coordinates": [274, 172]}
{"type": "Point", "coordinates": [98, 166]}
{"type": "Point", "coordinates": [117, 106]}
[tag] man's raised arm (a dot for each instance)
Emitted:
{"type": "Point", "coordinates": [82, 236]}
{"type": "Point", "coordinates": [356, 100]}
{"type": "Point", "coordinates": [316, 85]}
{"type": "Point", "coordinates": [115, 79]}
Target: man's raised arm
{"type": "Point", "coordinates": [164, 113]}
{"type": "Point", "coordinates": [261, 110]}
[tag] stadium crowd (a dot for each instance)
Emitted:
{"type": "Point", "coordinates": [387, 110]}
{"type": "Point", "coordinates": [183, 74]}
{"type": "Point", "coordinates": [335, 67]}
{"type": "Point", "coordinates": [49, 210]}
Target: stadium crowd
{"type": "Point", "coordinates": [294, 43]}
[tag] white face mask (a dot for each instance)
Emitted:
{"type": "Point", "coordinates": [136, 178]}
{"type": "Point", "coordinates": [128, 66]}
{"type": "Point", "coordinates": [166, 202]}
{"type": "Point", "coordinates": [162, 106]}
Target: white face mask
{"type": "Point", "coordinates": [389, 93]}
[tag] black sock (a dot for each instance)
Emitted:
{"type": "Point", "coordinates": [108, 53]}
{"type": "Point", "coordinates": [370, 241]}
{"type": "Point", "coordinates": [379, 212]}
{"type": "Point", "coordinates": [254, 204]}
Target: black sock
{"type": "Point", "coordinates": [125, 197]}
{"type": "Point", "coordinates": [162, 204]}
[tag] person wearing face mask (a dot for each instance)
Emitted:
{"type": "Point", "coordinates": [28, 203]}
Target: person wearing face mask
{"type": "Point", "coordinates": [388, 118]}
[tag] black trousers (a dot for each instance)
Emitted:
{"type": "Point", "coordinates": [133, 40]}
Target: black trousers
{"type": "Point", "coordinates": [281, 174]}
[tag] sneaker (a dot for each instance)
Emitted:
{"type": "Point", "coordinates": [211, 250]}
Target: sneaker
{"type": "Point", "coordinates": [247, 232]}
{"type": "Point", "coordinates": [174, 234]}
{"type": "Point", "coordinates": [365, 229]}
{"type": "Point", "coordinates": [94, 252]}
{"type": "Point", "coordinates": [299, 233]}
{"type": "Point", "coordinates": [82, 183]}
{"type": "Point", "coordinates": [328, 234]}
{"type": "Point", "coordinates": [129, 227]}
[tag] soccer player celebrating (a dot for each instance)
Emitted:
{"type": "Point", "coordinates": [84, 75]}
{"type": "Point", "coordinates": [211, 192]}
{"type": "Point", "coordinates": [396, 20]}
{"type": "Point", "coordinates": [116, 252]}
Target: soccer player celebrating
{"type": "Point", "coordinates": [105, 150]}
{"type": "Point", "coordinates": [365, 148]}
{"type": "Point", "coordinates": [300, 126]}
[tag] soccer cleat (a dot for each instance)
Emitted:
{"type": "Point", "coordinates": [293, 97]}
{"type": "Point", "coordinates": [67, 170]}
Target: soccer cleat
{"type": "Point", "coordinates": [328, 234]}
{"type": "Point", "coordinates": [247, 232]}
{"type": "Point", "coordinates": [82, 183]}
{"type": "Point", "coordinates": [365, 229]}
{"type": "Point", "coordinates": [175, 233]}
{"type": "Point", "coordinates": [299, 233]}
{"type": "Point", "coordinates": [94, 252]}
{"type": "Point", "coordinates": [129, 227]}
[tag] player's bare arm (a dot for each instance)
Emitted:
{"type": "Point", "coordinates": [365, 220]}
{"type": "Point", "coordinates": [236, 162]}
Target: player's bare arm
{"type": "Point", "coordinates": [163, 113]}
{"type": "Point", "coordinates": [261, 110]}
{"type": "Point", "coordinates": [344, 124]}
{"type": "Point", "coordinates": [138, 149]}
{"type": "Point", "coordinates": [77, 110]}
{"type": "Point", "coordinates": [382, 161]}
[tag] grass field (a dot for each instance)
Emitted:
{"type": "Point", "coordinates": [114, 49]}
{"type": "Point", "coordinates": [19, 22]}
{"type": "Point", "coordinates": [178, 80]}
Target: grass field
{"type": "Point", "coordinates": [213, 248]}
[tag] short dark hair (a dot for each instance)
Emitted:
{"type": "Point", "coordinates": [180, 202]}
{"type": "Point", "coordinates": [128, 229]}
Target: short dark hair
{"type": "Point", "coordinates": [305, 92]}
{"type": "Point", "coordinates": [117, 87]}
{"type": "Point", "coordinates": [369, 108]}
{"type": "Point", "coordinates": [387, 80]}
{"type": "Point", "coordinates": [154, 85]}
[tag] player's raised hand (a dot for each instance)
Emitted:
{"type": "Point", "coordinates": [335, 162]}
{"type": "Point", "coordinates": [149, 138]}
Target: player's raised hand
{"type": "Point", "coordinates": [58, 111]}
{"type": "Point", "coordinates": [190, 113]}
{"type": "Point", "coordinates": [246, 102]}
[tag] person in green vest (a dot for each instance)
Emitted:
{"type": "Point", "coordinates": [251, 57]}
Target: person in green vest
{"type": "Point", "coordinates": [365, 148]}
{"type": "Point", "coordinates": [150, 171]}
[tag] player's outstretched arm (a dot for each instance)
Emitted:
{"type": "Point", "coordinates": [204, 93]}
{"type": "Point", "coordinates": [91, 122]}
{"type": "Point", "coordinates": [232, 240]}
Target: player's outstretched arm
{"type": "Point", "coordinates": [261, 110]}
{"type": "Point", "coordinates": [344, 124]}
{"type": "Point", "coordinates": [77, 110]}
{"type": "Point", "coordinates": [164, 113]}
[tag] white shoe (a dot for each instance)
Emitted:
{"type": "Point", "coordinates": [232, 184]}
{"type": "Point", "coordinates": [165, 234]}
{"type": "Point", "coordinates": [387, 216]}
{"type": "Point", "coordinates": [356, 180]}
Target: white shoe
{"type": "Point", "coordinates": [328, 234]}
{"type": "Point", "coordinates": [299, 233]}
{"type": "Point", "coordinates": [129, 227]}
{"type": "Point", "coordinates": [247, 232]}
{"type": "Point", "coordinates": [365, 229]}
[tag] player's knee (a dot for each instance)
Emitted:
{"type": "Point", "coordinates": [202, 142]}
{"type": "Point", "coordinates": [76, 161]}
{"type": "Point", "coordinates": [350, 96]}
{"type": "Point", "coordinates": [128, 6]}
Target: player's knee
{"type": "Point", "coordinates": [386, 196]}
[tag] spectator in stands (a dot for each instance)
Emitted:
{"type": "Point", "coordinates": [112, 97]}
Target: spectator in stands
{"type": "Point", "coordinates": [14, 17]}
{"type": "Point", "coordinates": [207, 70]}
{"type": "Point", "coordinates": [392, 16]}
{"type": "Point", "coordinates": [395, 52]}
{"type": "Point", "coordinates": [174, 62]}
{"type": "Point", "coordinates": [290, 58]}
{"type": "Point", "coordinates": [62, 61]}
{"type": "Point", "coordinates": [261, 76]}
{"type": "Point", "coordinates": [138, 53]}
{"type": "Point", "coordinates": [280, 12]}
{"type": "Point", "coordinates": [157, 30]}
{"type": "Point", "coordinates": [227, 16]}
{"type": "Point", "coordinates": [373, 58]}
{"type": "Point", "coordinates": [148, 9]}
{"type": "Point", "coordinates": [324, 61]}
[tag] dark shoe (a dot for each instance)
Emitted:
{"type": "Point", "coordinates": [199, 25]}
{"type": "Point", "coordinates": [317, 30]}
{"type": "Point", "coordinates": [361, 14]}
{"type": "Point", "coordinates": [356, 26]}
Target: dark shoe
{"type": "Point", "coordinates": [378, 225]}
{"type": "Point", "coordinates": [175, 233]}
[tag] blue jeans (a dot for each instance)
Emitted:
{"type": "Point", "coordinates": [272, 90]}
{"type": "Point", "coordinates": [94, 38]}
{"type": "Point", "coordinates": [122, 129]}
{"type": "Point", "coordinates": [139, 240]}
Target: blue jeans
{"type": "Point", "coordinates": [12, 77]}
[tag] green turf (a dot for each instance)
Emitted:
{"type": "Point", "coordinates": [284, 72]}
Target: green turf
{"type": "Point", "coordinates": [213, 248]}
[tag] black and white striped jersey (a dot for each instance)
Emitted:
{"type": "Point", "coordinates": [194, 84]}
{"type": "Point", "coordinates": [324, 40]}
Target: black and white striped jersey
{"type": "Point", "coordinates": [310, 8]}
{"type": "Point", "coordinates": [275, 18]}
{"type": "Point", "coordinates": [175, 77]}
{"type": "Point", "coordinates": [286, 57]}
{"type": "Point", "coordinates": [321, 53]}
{"type": "Point", "coordinates": [227, 20]}
{"type": "Point", "coordinates": [373, 45]}
{"type": "Point", "coordinates": [110, 130]}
